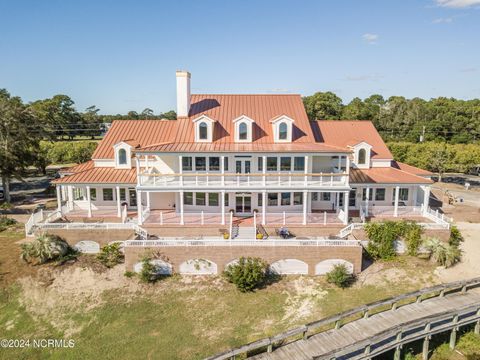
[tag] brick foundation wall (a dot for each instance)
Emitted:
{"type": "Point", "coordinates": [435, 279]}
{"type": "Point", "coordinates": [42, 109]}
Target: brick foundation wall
{"type": "Point", "coordinates": [103, 237]}
{"type": "Point", "coordinates": [222, 255]}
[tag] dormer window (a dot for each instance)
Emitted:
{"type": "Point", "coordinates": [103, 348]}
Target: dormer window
{"type": "Point", "coordinates": [243, 129]}
{"type": "Point", "coordinates": [204, 129]}
{"type": "Point", "coordinates": [361, 155]}
{"type": "Point", "coordinates": [282, 128]}
{"type": "Point", "coordinates": [122, 157]}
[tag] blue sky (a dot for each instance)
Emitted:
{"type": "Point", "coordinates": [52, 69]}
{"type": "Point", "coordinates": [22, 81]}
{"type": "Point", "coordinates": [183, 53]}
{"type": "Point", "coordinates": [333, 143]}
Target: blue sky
{"type": "Point", "coordinates": [122, 55]}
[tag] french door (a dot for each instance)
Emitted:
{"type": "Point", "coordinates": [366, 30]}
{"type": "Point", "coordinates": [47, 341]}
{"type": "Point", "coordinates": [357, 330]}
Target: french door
{"type": "Point", "coordinates": [243, 203]}
{"type": "Point", "coordinates": [242, 166]}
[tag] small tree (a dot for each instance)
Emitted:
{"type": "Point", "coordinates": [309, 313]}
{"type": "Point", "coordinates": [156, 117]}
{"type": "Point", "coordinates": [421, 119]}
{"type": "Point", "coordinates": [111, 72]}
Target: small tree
{"type": "Point", "coordinates": [150, 271]}
{"type": "Point", "coordinates": [339, 276]}
{"type": "Point", "coordinates": [249, 273]}
{"type": "Point", "coordinates": [456, 236]}
{"type": "Point", "coordinates": [443, 254]}
{"type": "Point", "coordinates": [111, 255]}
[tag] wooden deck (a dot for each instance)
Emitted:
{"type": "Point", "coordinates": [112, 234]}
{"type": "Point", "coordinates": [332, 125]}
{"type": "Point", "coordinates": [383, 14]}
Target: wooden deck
{"type": "Point", "coordinates": [363, 329]}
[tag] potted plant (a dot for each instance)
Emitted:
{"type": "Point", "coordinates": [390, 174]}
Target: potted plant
{"type": "Point", "coordinates": [226, 235]}
{"type": "Point", "coordinates": [259, 236]}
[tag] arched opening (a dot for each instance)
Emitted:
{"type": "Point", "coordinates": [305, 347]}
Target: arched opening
{"type": "Point", "coordinates": [203, 131]}
{"type": "Point", "coordinates": [362, 156]}
{"type": "Point", "coordinates": [242, 131]}
{"type": "Point", "coordinates": [326, 266]}
{"type": "Point", "coordinates": [198, 267]}
{"type": "Point", "coordinates": [289, 267]}
{"type": "Point", "coordinates": [122, 157]}
{"type": "Point", "coordinates": [161, 267]}
{"type": "Point", "coordinates": [87, 247]}
{"type": "Point", "coordinates": [283, 131]}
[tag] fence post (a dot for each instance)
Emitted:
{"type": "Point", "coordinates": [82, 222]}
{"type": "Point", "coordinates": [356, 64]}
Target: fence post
{"type": "Point", "coordinates": [426, 341]}
{"type": "Point", "coordinates": [453, 334]}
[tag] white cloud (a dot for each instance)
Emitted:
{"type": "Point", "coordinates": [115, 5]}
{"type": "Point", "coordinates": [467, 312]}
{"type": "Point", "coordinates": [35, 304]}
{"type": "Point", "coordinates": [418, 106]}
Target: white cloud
{"type": "Point", "coordinates": [442, 21]}
{"type": "Point", "coordinates": [457, 3]}
{"type": "Point", "coordinates": [370, 38]}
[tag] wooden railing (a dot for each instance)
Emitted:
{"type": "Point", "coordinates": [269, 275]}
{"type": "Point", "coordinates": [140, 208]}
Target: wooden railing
{"type": "Point", "coordinates": [336, 321]}
{"type": "Point", "coordinates": [278, 179]}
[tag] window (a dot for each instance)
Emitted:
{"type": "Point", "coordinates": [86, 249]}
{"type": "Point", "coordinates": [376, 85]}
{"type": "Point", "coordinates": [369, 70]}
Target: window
{"type": "Point", "coordinates": [242, 131]}
{"type": "Point", "coordinates": [187, 163]}
{"type": "Point", "coordinates": [78, 194]}
{"type": "Point", "coordinates": [283, 131]}
{"type": "Point", "coordinates": [260, 164]}
{"type": "Point", "coordinates": [225, 163]}
{"type": "Point", "coordinates": [123, 195]}
{"type": "Point", "coordinates": [285, 164]}
{"type": "Point", "coordinates": [213, 199]}
{"type": "Point", "coordinates": [122, 157]}
{"type": "Point", "coordinates": [226, 200]}
{"type": "Point", "coordinates": [326, 196]}
{"type": "Point", "coordinates": [299, 163]}
{"type": "Point", "coordinates": [214, 163]}
{"type": "Point", "coordinates": [315, 196]}
{"type": "Point", "coordinates": [402, 195]}
{"type": "Point", "coordinates": [107, 194]}
{"type": "Point", "coordinates": [200, 199]}
{"type": "Point", "coordinates": [364, 195]}
{"type": "Point", "coordinates": [298, 198]}
{"type": "Point", "coordinates": [352, 197]}
{"type": "Point", "coordinates": [203, 131]}
{"type": "Point", "coordinates": [285, 199]}
{"type": "Point", "coordinates": [272, 199]}
{"type": "Point", "coordinates": [200, 163]}
{"type": "Point", "coordinates": [380, 194]}
{"type": "Point", "coordinates": [93, 194]}
{"type": "Point", "coordinates": [188, 198]}
{"type": "Point", "coordinates": [259, 199]}
{"type": "Point", "coordinates": [272, 164]}
{"type": "Point", "coordinates": [362, 155]}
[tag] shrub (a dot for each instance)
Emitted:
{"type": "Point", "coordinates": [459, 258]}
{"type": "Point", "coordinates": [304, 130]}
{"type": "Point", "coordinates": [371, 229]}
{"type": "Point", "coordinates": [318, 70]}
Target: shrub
{"type": "Point", "coordinates": [6, 222]}
{"type": "Point", "coordinates": [46, 248]}
{"type": "Point", "coordinates": [443, 254]}
{"type": "Point", "coordinates": [249, 273]}
{"type": "Point", "coordinates": [129, 274]}
{"type": "Point", "coordinates": [111, 255]}
{"type": "Point", "coordinates": [413, 237]}
{"type": "Point", "coordinates": [339, 276]}
{"type": "Point", "coordinates": [455, 236]}
{"type": "Point", "coordinates": [149, 272]}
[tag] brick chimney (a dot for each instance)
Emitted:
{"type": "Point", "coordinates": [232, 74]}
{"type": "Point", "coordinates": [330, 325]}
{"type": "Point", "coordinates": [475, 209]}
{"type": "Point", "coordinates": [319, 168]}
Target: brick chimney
{"type": "Point", "coordinates": [183, 93]}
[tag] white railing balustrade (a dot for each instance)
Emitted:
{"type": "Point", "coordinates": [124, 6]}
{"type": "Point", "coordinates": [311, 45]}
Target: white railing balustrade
{"type": "Point", "coordinates": [246, 180]}
{"type": "Point", "coordinates": [438, 218]}
{"type": "Point", "coordinates": [255, 242]}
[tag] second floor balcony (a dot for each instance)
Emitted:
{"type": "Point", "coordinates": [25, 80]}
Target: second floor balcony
{"type": "Point", "coordinates": [244, 181]}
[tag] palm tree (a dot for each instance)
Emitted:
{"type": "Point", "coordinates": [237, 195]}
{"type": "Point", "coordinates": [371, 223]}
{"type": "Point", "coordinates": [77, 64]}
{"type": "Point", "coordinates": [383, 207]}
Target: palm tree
{"type": "Point", "coordinates": [442, 253]}
{"type": "Point", "coordinates": [44, 248]}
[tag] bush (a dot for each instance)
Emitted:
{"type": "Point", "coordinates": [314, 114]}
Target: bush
{"type": "Point", "coordinates": [382, 236]}
{"type": "Point", "coordinates": [455, 236]}
{"type": "Point", "coordinates": [339, 276]}
{"type": "Point", "coordinates": [249, 273]}
{"type": "Point", "coordinates": [129, 274]}
{"type": "Point", "coordinates": [443, 254]}
{"type": "Point", "coordinates": [149, 273]}
{"type": "Point", "coordinates": [6, 222]}
{"type": "Point", "coordinates": [46, 248]}
{"type": "Point", "coordinates": [111, 255]}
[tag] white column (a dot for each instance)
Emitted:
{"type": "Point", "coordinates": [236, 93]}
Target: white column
{"type": "Point", "coordinates": [148, 200]}
{"type": "Point", "coordinates": [366, 200]}
{"type": "Point", "coordinates": [415, 191]}
{"type": "Point", "coordinates": [306, 170]}
{"type": "Point", "coordinates": [345, 206]}
{"type": "Point", "coordinates": [70, 197]}
{"type": "Point", "coordinates": [89, 200]}
{"type": "Point", "coordinates": [222, 169]}
{"type": "Point", "coordinates": [223, 207]}
{"type": "Point", "coordinates": [180, 168]}
{"type": "Point", "coordinates": [59, 198]}
{"type": "Point", "coordinates": [137, 163]}
{"type": "Point", "coordinates": [119, 207]}
{"type": "Point", "coordinates": [264, 171]}
{"type": "Point", "coordinates": [339, 162]}
{"type": "Point", "coordinates": [305, 198]}
{"type": "Point", "coordinates": [146, 163]}
{"type": "Point", "coordinates": [395, 210]}
{"type": "Point", "coordinates": [264, 206]}
{"type": "Point", "coordinates": [426, 198]}
{"type": "Point", "coordinates": [139, 207]}
{"type": "Point", "coordinates": [347, 169]}
{"type": "Point", "coordinates": [181, 208]}
{"type": "Point", "coordinates": [337, 202]}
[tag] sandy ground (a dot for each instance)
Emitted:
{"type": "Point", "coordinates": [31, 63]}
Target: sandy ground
{"type": "Point", "coordinates": [469, 267]}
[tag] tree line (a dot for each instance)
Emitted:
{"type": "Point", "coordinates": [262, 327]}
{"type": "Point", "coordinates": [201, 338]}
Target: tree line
{"type": "Point", "coordinates": [440, 119]}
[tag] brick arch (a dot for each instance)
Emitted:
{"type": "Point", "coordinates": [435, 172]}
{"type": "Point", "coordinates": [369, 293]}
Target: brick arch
{"type": "Point", "coordinates": [87, 247]}
{"type": "Point", "coordinates": [323, 267]}
{"type": "Point", "coordinates": [198, 267]}
{"type": "Point", "coordinates": [164, 268]}
{"type": "Point", "coordinates": [289, 266]}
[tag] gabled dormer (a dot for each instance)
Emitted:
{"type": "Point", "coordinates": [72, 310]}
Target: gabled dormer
{"type": "Point", "coordinates": [243, 129]}
{"type": "Point", "coordinates": [282, 129]}
{"type": "Point", "coordinates": [123, 154]}
{"type": "Point", "coordinates": [204, 129]}
{"type": "Point", "coordinates": [362, 154]}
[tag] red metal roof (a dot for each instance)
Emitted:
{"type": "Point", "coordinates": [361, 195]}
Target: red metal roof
{"type": "Point", "coordinates": [100, 175]}
{"type": "Point", "coordinates": [77, 168]}
{"type": "Point", "coordinates": [411, 169]}
{"type": "Point", "coordinates": [388, 175]}
{"type": "Point", "coordinates": [345, 133]}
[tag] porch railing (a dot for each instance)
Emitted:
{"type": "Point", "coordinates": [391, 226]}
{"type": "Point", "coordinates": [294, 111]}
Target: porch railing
{"type": "Point", "coordinates": [217, 180]}
{"type": "Point", "coordinates": [438, 217]}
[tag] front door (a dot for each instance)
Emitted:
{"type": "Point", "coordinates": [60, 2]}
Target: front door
{"type": "Point", "coordinates": [243, 204]}
{"type": "Point", "coordinates": [132, 197]}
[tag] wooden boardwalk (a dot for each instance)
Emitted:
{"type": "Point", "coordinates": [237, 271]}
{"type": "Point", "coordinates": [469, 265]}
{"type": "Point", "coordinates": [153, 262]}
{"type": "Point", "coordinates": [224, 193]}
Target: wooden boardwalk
{"type": "Point", "coordinates": [363, 329]}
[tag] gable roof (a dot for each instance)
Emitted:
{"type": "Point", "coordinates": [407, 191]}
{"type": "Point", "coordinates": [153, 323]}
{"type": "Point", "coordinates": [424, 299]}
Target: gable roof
{"type": "Point", "coordinates": [411, 169]}
{"type": "Point", "coordinates": [347, 133]}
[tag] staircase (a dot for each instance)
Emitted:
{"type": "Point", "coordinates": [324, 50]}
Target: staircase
{"type": "Point", "coordinates": [246, 233]}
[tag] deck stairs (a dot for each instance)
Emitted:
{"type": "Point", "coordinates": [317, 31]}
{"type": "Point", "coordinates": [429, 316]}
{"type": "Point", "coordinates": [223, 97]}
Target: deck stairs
{"type": "Point", "coordinates": [246, 233]}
